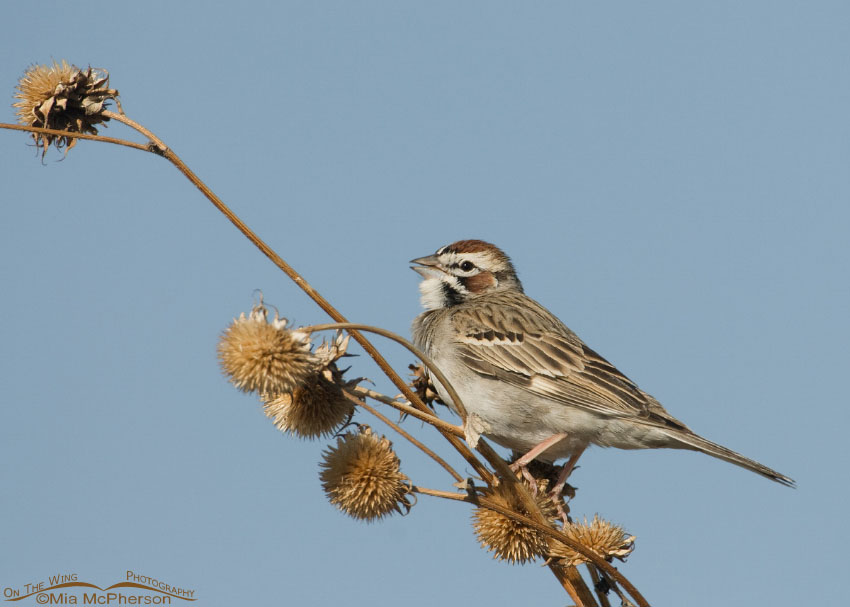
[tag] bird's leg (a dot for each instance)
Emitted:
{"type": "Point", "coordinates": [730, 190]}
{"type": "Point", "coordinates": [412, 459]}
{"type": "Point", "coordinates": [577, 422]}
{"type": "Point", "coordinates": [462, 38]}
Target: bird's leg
{"type": "Point", "coordinates": [537, 450]}
{"type": "Point", "coordinates": [555, 494]}
{"type": "Point", "coordinates": [521, 464]}
{"type": "Point", "coordinates": [565, 472]}
{"type": "Point", "coordinates": [529, 478]}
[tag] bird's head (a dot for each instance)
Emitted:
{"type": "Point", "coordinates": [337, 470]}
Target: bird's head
{"type": "Point", "coordinates": [462, 271]}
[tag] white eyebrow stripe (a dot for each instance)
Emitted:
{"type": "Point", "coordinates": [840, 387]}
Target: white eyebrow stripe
{"type": "Point", "coordinates": [480, 259]}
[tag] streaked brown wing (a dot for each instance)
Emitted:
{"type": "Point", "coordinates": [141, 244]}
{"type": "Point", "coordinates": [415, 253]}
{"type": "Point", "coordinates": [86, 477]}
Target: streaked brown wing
{"type": "Point", "coordinates": [524, 345]}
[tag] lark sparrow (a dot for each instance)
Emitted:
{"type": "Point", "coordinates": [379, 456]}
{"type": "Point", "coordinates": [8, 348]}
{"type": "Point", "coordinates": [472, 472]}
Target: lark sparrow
{"type": "Point", "coordinates": [530, 383]}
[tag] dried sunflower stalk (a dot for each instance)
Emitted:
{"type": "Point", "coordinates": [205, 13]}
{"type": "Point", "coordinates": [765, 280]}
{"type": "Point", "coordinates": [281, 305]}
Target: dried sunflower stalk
{"type": "Point", "coordinates": [361, 475]}
{"type": "Point", "coordinates": [65, 98]}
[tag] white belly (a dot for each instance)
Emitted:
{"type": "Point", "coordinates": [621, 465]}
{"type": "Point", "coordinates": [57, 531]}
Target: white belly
{"type": "Point", "coordinates": [520, 420]}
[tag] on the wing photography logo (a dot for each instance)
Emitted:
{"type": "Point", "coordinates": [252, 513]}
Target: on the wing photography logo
{"type": "Point", "coordinates": [70, 589]}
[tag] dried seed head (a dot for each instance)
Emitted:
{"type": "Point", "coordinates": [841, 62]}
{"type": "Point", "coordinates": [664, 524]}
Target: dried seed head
{"type": "Point", "coordinates": [317, 408]}
{"type": "Point", "coordinates": [604, 538]}
{"type": "Point", "coordinates": [331, 351]}
{"type": "Point", "coordinates": [422, 385]}
{"type": "Point", "coordinates": [65, 98]}
{"type": "Point", "coordinates": [507, 539]}
{"type": "Point", "coordinates": [361, 476]}
{"type": "Point", "coordinates": [262, 356]}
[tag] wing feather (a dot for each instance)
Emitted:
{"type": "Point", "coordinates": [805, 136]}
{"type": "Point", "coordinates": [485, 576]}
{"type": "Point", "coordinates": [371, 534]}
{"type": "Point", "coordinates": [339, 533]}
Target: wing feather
{"type": "Point", "coordinates": [524, 345]}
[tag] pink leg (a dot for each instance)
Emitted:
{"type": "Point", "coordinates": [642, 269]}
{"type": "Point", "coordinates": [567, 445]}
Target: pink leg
{"type": "Point", "coordinates": [555, 494]}
{"type": "Point", "coordinates": [565, 473]}
{"type": "Point", "coordinates": [532, 482]}
{"type": "Point", "coordinates": [537, 450]}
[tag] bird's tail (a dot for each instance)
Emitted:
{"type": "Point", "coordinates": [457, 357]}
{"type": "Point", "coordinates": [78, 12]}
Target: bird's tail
{"type": "Point", "coordinates": [693, 441]}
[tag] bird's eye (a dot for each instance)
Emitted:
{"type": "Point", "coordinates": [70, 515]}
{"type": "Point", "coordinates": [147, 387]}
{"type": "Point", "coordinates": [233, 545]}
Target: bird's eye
{"type": "Point", "coordinates": [467, 266]}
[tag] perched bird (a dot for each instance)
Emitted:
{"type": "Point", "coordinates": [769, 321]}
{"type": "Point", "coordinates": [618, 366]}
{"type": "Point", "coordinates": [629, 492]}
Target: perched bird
{"type": "Point", "coordinates": [527, 380]}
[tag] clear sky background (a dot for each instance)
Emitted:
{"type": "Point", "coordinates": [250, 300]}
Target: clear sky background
{"type": "Point", "coordinates": [670, 178]}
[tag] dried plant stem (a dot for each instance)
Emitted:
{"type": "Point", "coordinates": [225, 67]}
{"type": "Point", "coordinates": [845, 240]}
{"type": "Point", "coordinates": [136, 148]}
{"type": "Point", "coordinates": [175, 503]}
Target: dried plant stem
{"type": "Point", "coordinates": [594, 576]}
{"type": "Point", "coordinates": [408, 410]}
{"type": "Point", "coordinates": [34, 129]}
{"type": "Point", "coordinates": [426, 360]}
{"type": "Point", "coordinates": [624, 602]}
{"type": "Point", "coordinates": [570, 578]}
{"type": "Point", "coordinates": [448, 495]}
{"type": "Point", "coordinates": [404, 433]}
{"type": "Point", "coordinates": [122, 117]}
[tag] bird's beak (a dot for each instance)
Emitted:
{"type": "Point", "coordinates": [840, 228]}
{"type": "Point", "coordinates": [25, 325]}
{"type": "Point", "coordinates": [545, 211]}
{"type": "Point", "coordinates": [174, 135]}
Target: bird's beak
{"type": "Point", "coordinates": [426, 267]}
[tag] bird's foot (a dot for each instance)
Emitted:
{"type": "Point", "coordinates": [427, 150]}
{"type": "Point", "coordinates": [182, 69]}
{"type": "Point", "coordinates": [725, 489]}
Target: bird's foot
{"type": "Point", "coordinates": [565, 473]}
{"type": "Point", "coordinates": [560, 509]}
{"type": "Point", "coordinates": [522, 470]}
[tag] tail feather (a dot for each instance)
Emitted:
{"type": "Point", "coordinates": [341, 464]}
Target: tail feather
{"type": "Point", "coordinates": [698, 443]}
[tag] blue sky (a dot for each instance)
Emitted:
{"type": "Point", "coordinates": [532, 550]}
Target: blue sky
{"type": "Point", "coordinates": [670, 178]}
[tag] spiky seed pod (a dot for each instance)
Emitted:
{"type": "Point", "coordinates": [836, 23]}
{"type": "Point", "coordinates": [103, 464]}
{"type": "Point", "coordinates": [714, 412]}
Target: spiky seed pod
{"type": "Point", "coordinates": [603, 537]}
{"type": "Point", "coordinates": [264, 356]}
{"type": "Point", "coordinates": [361, 476]}
{"type": "Point", "coordinates": [65, 98]}
{"type": "Point", "coordinates": [422, 385]}
{"type": "Point", "coordinates": [315, 409]}
{"type": "Point", "coordinates": [507, 539]}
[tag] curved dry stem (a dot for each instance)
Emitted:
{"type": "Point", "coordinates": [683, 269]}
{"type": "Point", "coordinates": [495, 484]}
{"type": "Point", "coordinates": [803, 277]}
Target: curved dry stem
{"type": "Point", "coordinates": [121, 117]}
{"type": "Point", "coordinates": [596, 579]}
{"type": "Point", "coordinates": [426, 360]}
{"type": "Point", "coordinates": [416, 442]}
{"type": "Point", "coordinates": [448, 495]}
{"type": "Point", "coordinates": [571, 578]}
{"type": "Point", "coordinates": [35, 129]}
{"type": "Point", "coordinates": [408, 410]}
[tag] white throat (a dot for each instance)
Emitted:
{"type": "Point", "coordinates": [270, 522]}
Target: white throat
{"type": "Point", "coordinates": [433, 297]}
